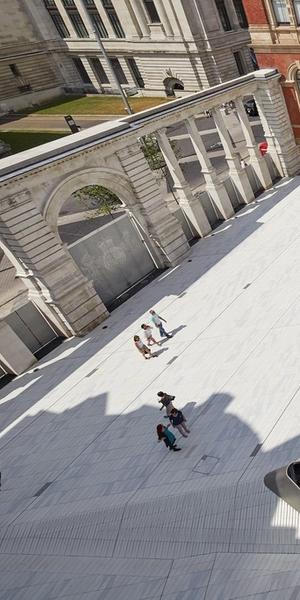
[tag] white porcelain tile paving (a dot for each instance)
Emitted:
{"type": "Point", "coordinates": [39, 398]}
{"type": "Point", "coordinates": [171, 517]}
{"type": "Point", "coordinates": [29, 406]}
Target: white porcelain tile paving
{"type": "Point", "coordinates": [116, 514]}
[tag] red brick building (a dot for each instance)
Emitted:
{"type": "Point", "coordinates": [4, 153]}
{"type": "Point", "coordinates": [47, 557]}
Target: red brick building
{"type": "Point", "coordinates": [275, 33]}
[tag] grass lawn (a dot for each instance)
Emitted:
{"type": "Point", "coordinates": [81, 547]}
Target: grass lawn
{"type": "Point", "coordinates": [22, 140]}
{"type": "Point", "coordinates": [97, 105]}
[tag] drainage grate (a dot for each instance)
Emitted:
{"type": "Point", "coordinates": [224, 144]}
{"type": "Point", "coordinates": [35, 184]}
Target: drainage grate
{"type": "Point", "coordinates": [92, 372]}
{"type": "Point", "coordinates": [172, 360]}
{"type": "Point", "coordinates": [206, 464]}
{"type": "Point", "coordinates": [42, 489]}
{"type": "Point", "coordinates": [256, 450]}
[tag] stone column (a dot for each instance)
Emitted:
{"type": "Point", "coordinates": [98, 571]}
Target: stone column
{"type": "Point", "coordinates": [165, 232]}
{"type": "Point", "coordinates": [214, 187]}
{"type": "Point", "coordinates": [257, 161]}
{"type": "Point", "coordinates": [64, 15]}
{"type": "Point", "coordinates": [188, 203]}
{"type": "Point", "coordinates": [164, 17]}
{"type": "Point", "coordinates": [59, 282]}
{"type": "Point", "coordinates": [140, 17]}
{"type": "Point", "coordinates": [236, 172]}
{"type": "Point", "coordinates": [276, 122]}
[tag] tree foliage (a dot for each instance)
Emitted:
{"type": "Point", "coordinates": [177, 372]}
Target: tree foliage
{"type": "Point", "coordinates": [99, 199]}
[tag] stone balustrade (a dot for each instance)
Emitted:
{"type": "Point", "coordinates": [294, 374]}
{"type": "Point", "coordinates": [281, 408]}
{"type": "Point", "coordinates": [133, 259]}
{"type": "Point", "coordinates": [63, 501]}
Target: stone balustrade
{"type": "Point", "coordinates": [35, 184]}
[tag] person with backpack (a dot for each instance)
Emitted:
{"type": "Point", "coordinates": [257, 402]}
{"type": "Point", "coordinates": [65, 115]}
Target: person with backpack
{"type": "Point", "coordinates": [178, 421]}
{"type": "Point", "coordinates": [166, 402]}
{"type": "Point", "coordinates": [167, 436]}
{"type": "Point", "coordinates": [157, 321]}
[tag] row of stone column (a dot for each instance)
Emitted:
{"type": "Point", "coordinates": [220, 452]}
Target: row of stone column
{"type": "Point", "coordinates": [214, 186]}
{"type": "Point", "coordinates": [140, 26]}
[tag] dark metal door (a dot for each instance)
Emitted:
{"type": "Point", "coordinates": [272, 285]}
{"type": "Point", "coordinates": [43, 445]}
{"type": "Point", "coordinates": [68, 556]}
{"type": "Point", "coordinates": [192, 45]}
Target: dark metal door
{"type": "Point", "coordinates": [31, 327]}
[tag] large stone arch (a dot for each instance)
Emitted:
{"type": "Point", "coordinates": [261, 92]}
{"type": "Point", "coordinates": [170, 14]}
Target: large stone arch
{"type": "Point", "coordinates": [113, 180]}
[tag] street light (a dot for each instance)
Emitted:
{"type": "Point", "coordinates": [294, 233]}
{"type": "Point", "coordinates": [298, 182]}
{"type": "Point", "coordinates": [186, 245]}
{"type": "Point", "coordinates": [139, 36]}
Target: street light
{"type": "Point", "coordinates": [110, 66]}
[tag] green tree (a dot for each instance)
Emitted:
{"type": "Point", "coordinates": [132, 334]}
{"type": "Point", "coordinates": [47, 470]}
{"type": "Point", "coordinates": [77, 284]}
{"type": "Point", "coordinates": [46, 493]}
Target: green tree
{"type": "Point", "coordinates": [154, 156]}
{"type": "Point", "coordinates": [99, 199]}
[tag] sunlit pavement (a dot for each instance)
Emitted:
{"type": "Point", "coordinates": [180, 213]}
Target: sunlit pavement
{"type": "Point", "coordinates": [93, 508]}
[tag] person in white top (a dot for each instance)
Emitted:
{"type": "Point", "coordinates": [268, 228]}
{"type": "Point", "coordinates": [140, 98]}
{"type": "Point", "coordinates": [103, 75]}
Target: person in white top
{"type": "Point", "coordinates": [144, 350]}
{"type": "Point", "coordinates": [157, 321]}
{"type": "Point", "coordinates": [148, 335]}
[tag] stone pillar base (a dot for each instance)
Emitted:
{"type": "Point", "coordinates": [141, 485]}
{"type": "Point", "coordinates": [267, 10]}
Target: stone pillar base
{"type": "Point", "coordinates": [193, 209]}
{"type": "Point", "coordinates": [240, 180]}
{"type": "Point", "coordinates": [220, 198]}
{"type": "Point", "coordinates": [16, 357]}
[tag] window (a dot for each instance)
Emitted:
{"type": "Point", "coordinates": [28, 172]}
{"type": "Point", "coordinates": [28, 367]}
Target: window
{"type": "Point", "coordinates": [78, 24]}
{"type": "Point", "coordinates": [151, 10]}
{"type": "Point", "coordinates": [113, 17]}
{"type": "Point", "coordinates": [15, 70]}
{"type": "Point", "coordinates": [281, 12]}
{"type": "Point", "coordinates": [23, 85]}
{"type": "Point", "coordinates": [297, 10]}
{"type": "Point", "coordinates": [223, 14]}
{"type": "Point", "coordinates": [59, 24]}
{"type": "Point", "coordinates": [81, 70]}
{"type": "Point", "coordinates": [136, 72]}
{"type": "Point", "coordinates": [96, 64]}
{"type": "Point", "coordinates": [239, 63]}
{"type": "Point", "coordinates": [98, 23]}
{"type": "Point", "coordinates": [75, 18]}
{"type": "Point", "coordinates": [241, 15]}
{"type": "Point", "coordinates": [119, 73]}
{"type": "Point", "coordinates": [57, 18]}
{"type": "Point", "coordinates": [95, 18]}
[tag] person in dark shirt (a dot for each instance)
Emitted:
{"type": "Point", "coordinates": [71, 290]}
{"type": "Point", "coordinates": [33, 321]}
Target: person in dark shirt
{"type": "Point", "coordinates": [178, 421]}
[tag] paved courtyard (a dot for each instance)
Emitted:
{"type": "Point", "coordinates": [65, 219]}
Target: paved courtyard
{"type": "Point", "coordinates": [93, 508]}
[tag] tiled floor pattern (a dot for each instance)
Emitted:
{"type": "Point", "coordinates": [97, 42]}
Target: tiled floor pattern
{"type": "Point", "coordinates": [93, 508]}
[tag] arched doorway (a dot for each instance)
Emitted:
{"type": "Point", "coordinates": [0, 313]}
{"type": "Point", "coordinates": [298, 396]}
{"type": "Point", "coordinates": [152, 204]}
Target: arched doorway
{"type": "Point", "coordinates": [171, 84]}
{"type": "Point", "coordinates": [103, 234]}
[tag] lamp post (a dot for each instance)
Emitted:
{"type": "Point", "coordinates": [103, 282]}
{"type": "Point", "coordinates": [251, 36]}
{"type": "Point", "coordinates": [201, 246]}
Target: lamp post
{"type": "Point", "coordinates": [108, 62]}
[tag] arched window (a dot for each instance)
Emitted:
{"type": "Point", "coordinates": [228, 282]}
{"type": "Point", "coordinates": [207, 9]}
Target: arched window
{"type": "Point", "coordinates": [171, 84]}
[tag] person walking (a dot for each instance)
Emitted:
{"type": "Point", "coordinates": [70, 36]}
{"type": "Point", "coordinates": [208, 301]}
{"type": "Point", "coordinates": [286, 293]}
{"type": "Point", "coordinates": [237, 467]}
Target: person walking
{"type": "Point", "coordinates": [167, 436]}
{"type": "Point", "coordinates": [166, 402]}
{"type": "Point", "coordinates": [144, 350]}
{"type": "Point", "coordinates": [157, 321]}
{"type": "Point", "coordinates": [148, 335]}
{"type": "Point", "coordinates": [178, 421]}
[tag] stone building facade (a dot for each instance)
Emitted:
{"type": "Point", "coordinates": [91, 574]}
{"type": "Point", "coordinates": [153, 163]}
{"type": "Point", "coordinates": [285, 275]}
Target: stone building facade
{"type": "Point", "coordinates": [34, 66]}
{"type": "Point", "coordinates": [35, 185]}
{"type": "Point", "coordinates": [275, 34]}
{"type": "Point", "coordinates": [155, 47]}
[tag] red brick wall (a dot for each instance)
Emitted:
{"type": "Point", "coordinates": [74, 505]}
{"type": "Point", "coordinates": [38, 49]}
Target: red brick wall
{"type": "Point", "coordinates": [280, 61]}
{"type": "Point", "coordinates": [255, 12]}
